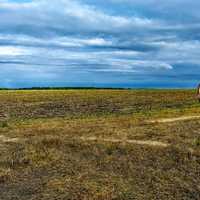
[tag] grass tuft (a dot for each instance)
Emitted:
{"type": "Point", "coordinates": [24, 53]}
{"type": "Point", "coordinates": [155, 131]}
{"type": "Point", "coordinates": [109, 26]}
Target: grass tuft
{"type": "Point", "coordinates": [5, 175]}
{"type": "Point", "coordinates": [197, 142]}
{"type": "Point", "coordinates": [4, 124]}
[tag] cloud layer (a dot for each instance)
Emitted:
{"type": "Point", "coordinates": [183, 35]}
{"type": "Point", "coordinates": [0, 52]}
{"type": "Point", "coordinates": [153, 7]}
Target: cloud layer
{"type": "Point", "coordinates": [115, 43]}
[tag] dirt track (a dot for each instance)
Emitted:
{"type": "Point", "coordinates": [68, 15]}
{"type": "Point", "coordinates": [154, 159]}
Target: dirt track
{"type": "Point", "coordinates": [168, 120]}
{"type": "Point", "coordinates": [140, 142]}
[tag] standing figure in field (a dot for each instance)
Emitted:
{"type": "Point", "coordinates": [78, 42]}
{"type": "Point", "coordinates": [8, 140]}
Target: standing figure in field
{"type": "Point", "coordinates": [198, 93]}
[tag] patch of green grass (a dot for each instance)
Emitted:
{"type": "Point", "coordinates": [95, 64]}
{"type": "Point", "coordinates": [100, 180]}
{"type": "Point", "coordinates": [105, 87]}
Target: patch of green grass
{"type": "Point", "coordinates": [3, 124]}
{"type": "Point", "coordinates": [197, 142]}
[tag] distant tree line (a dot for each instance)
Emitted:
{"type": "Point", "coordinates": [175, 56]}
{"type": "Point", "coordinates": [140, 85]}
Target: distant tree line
{"type": "Point", "coordinates": [65, 88]}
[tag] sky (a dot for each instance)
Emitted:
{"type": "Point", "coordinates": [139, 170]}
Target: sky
{"type": "Point", "coordinates": [98, 43]}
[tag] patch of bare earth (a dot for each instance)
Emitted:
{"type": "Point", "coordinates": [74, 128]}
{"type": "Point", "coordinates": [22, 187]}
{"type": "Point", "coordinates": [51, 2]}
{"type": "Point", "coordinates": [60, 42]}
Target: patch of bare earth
{"type": "Point", "coordinates": [5, 139]}
{"type": "Point", "coordinates": [126, 141]}
{"type": "Point", "coordinates": [175, 119]}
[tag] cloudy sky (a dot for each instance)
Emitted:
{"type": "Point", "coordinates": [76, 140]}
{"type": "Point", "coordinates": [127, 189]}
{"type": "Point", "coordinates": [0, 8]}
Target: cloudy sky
{"type": "Point", "coordinates": [103, 43]}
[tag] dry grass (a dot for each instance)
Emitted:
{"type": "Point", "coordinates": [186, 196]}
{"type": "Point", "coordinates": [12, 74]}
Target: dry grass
{"type": "Point", "coordinates": [5, 175]}
{"type": "Point", "coordinates": [77, 103]}
{"type": "Point", "coordinates": [50, 160]}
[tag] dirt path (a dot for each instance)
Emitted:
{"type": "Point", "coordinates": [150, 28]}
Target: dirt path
{"type": "Point", "coordinates": [5, 139]}
{"type": "Point", "coordinates": [111, 140]}
{"type": "Point", "coordinates": [175, 119]}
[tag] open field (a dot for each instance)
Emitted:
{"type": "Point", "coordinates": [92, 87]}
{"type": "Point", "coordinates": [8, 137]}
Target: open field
{"type": "Point", "coordinates": [99, 145]}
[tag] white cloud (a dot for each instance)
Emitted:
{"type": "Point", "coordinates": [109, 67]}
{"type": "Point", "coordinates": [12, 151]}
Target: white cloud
{"type": "Point", "coordinates": [67, 16]}
{"type": "Point", "coordinates": [11, 51]}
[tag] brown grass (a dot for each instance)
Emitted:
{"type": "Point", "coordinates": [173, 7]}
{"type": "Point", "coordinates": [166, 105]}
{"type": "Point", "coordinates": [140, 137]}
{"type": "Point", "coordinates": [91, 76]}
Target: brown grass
{"type": "Point", "coordinates": [50, 160]}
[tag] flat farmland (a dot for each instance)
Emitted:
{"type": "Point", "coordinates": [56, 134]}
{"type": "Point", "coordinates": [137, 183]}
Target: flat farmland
{"type": "Point", "coordinates": [99, 145]}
